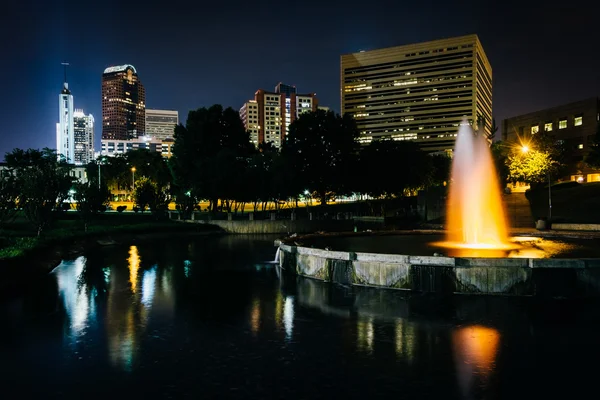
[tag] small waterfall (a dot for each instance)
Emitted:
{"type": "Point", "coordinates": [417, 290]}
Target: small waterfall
{"type": "Point", "coordinates": [277, 255]}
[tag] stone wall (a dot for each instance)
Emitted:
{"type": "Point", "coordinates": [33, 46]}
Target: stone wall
{"type": "Point", "coordinates": [280, 226]}
{"type": "Point", "coordinates": [576, 227]}
{"type": "Point", "coordinates": [512, 276]}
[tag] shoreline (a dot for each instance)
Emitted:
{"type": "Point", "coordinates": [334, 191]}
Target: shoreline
{"type": "Point", "coordinates": [45, 256]}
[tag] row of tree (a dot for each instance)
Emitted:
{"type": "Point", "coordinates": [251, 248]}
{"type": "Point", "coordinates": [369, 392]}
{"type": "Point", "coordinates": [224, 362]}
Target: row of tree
{"type": "Point", "coordinates": [214, 160]}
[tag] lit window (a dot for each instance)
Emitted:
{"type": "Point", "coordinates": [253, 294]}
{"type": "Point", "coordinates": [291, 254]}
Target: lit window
{"type": "Point", "coordinates": [535, 129]}
{"type": "Point", "coordinates": [548, 126]}
{"type": "Point", "coordinates": [578, 121]}
{"type": "Point", "coordinates": [562, 124]}
{"type": "Point", "coordinates": [580, 146]}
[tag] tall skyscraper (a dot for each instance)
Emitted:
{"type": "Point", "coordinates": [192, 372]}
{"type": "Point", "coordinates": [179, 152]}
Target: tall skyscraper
{"type": "Point", "coordinates": [84, 137]}
{"type": "Point", "coordinates": [419, 92]}
{"type": "Point", "coordinates": [64, 128]}
{"type": "Point", "coordinates": [270, 114]}
{"type": "Point", "coordinates": [160, 124]}
{"type": "Point", "coordinates": [123, 103]}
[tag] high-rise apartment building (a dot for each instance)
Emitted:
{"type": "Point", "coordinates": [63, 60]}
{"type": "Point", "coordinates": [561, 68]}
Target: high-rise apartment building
{"type": "Point", "coordinates": [83, 127]}
{"type": "Point", "coordinates": [419, 92]}
{"type": "Point", "coordinates": [65, 137]}
{"type": "Point", "coordinates": [268, 116]}
{"type": "Point", "coordinates": [123, 103]}
{"type": "Point", "coordinates": [160, 124]}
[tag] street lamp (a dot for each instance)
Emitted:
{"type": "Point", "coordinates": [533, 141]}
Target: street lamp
{"type": "Point", "coordinates": [133, 177]}
{"type": "Point", "coordinates": [525, 149]}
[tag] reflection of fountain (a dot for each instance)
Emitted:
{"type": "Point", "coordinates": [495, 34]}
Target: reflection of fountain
{"type": "Point", "coordinates": [476, 225]}
{"type": "Point", "coordinates": [475, 349]}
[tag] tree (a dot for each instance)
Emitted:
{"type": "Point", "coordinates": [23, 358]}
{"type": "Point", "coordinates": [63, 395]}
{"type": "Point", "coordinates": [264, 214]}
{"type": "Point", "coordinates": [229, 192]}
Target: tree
{"type": "Point", "coordinates": [593, 157]}
{"type": "Point", "coordinates": [500, 153]}
{"type": "Point", "coordinates": [8, 197]}
{"type": "Point", "coordinates": [149, 194]}
{"type": "Point", "coordinates": [90, 200]}
{"type": "Point", "coordinates": [320, 147]}
{"type": "Point", "coordinates": [440, 173]}
{"type": "Point", "coordinates": [211, 138]}
{"type": "Point", "coordinates": [44, 182]}
{"type": "Point", "coordinates": [530, 165]}
{"type": "Point", "coordinates": [391, 169]}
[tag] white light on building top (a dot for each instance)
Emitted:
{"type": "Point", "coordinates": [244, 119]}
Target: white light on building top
{"type": "Point", "coordinates": [119, 68]}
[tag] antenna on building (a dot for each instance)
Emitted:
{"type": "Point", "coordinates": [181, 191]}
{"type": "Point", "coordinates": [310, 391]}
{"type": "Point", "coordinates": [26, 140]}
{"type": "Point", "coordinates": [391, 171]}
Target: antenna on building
{"type": "Point", "coordinates": [65, 64]}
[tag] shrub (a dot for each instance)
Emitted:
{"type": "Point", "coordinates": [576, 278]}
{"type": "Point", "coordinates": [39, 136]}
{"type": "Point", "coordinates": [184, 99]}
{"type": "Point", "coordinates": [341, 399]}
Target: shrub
{"type": "Point", "coordinates": [122, 208]}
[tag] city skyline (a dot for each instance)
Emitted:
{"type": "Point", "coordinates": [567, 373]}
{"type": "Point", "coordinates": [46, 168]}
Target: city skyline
{"type": "Point", "coordinates": [526, 58]}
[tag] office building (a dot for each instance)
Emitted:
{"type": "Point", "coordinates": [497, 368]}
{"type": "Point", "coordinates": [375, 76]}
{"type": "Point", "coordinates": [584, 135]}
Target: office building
{"type": "Point", "coordinates": [65, 136]}
{"type": "Point", "coordinates": [160, 124]}
{"type": "Point", "coordinates": [419, 92]}
{"type": "Point", "coordinates": [574, 125]}
{"type": "Point", "coordinates": [112, 147]}
{"type": "Point", "coordinates": [83, 128]}
{"type": "Point", "coordinates": [267, 117]}
{"type": "Point", "coordinates": [123, 103]}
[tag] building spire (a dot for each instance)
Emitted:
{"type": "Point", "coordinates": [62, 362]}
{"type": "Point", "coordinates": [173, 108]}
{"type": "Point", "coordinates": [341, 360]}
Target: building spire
{"type": "Point", "coordinates": [65, 64]}
{"type": "Point", "coordinates": [65, 84]}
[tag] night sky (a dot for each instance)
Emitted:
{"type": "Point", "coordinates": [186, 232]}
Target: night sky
{"type": "Point", "coordinates": [189, 55]}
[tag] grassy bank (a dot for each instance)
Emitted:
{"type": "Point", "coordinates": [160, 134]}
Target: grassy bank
{"type": "Point", "coordinates": [571, 202]}
{"type": "Point", "coordinates": [19, 239]}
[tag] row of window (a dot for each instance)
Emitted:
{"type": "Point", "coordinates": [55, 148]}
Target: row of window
{"type": "Point", "coordinates": [549, 126]}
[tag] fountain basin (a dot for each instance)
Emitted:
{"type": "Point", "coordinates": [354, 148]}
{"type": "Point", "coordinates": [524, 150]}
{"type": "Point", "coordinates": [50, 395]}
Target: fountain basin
{"type": "Point", "coordinates": [518, 275]}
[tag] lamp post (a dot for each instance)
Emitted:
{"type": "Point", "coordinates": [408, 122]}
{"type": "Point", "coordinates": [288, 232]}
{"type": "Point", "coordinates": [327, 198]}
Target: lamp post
{"type": "Point", "coordinates": [525, 149]}
{"type": "Point", "coordinates": [132, 181]}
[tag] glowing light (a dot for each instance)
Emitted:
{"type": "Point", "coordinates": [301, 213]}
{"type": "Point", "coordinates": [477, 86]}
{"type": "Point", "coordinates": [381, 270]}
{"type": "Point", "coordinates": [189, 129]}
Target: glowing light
{"type": "Point", "coordinates": [476, 223]}
{"type": "Point", "coordinates": [524, 149]}
{"type": "Point", "coordinates": [134, 266]}
{"type": "Point", "coordinates": [119, 68]}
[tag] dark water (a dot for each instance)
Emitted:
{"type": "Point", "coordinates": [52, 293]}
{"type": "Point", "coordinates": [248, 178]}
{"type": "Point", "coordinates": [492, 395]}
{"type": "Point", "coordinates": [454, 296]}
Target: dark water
{"type": "Point", "coordinates": [208, 318]}
{"type": "Point", "coordinates": [424, 244]}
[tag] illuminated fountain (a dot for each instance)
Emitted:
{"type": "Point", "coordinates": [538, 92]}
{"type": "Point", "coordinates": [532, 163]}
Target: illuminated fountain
{"type": "Point", "coordinates": [475, 220]}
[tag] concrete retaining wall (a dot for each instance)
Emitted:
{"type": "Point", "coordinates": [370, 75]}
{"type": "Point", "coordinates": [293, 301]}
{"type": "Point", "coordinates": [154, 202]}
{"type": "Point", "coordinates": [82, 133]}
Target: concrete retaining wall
{"type": "Point", "coordinates": [512, 276]}
{"type": "Point", "coordinates": [576, 227]}
{"type": "Point", "coordinates": [281, 226]}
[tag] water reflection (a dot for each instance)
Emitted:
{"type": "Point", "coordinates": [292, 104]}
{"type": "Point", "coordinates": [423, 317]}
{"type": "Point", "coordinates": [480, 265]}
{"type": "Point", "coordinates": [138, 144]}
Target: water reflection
{"type": "Point", "coordinates": [136, 309]}
{"type": "Point", "coordinates": [365, 334]}
{"type": "Point", "coordinates": [134, 265]}
{"type": "Point", "coordinates": [79, 303]}
{"type": "Point", "coordinates": [475, 348]}
{"type": "Point", "coordinates": [255, 316]}
{"type": "Point", "coordinates": [288, 316]}
{"type": "Point", "coordinates": [405, 340]}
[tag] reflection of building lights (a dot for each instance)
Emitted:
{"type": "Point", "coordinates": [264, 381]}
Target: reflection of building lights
{"type": "Point", "coordinates": [288, 316]}
{"type": "Point", "coordinates": [148, 286]}
{"type": "Point", "coordinates": [365, 333]}
{"type": "Point", "coordinates": [405, 336]}
{"type": "Point", "coordinates": [278, 309]}
{"type": "Point", "coordinates": [75, 294]}
{"type": "Point", "coordinates": [134, 266]}
{"type": "Point", "coordinates": [255, 316]}
{"type": "Point", "coordinates": [186, 268]}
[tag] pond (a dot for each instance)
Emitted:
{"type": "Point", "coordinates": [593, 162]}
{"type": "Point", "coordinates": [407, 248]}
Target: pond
{"type": "Point", "coordinates": [209, 317]}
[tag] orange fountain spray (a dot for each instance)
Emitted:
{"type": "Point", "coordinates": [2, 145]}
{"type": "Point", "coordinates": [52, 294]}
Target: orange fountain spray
{"type": "Point", "coordinates": [475, 220]}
